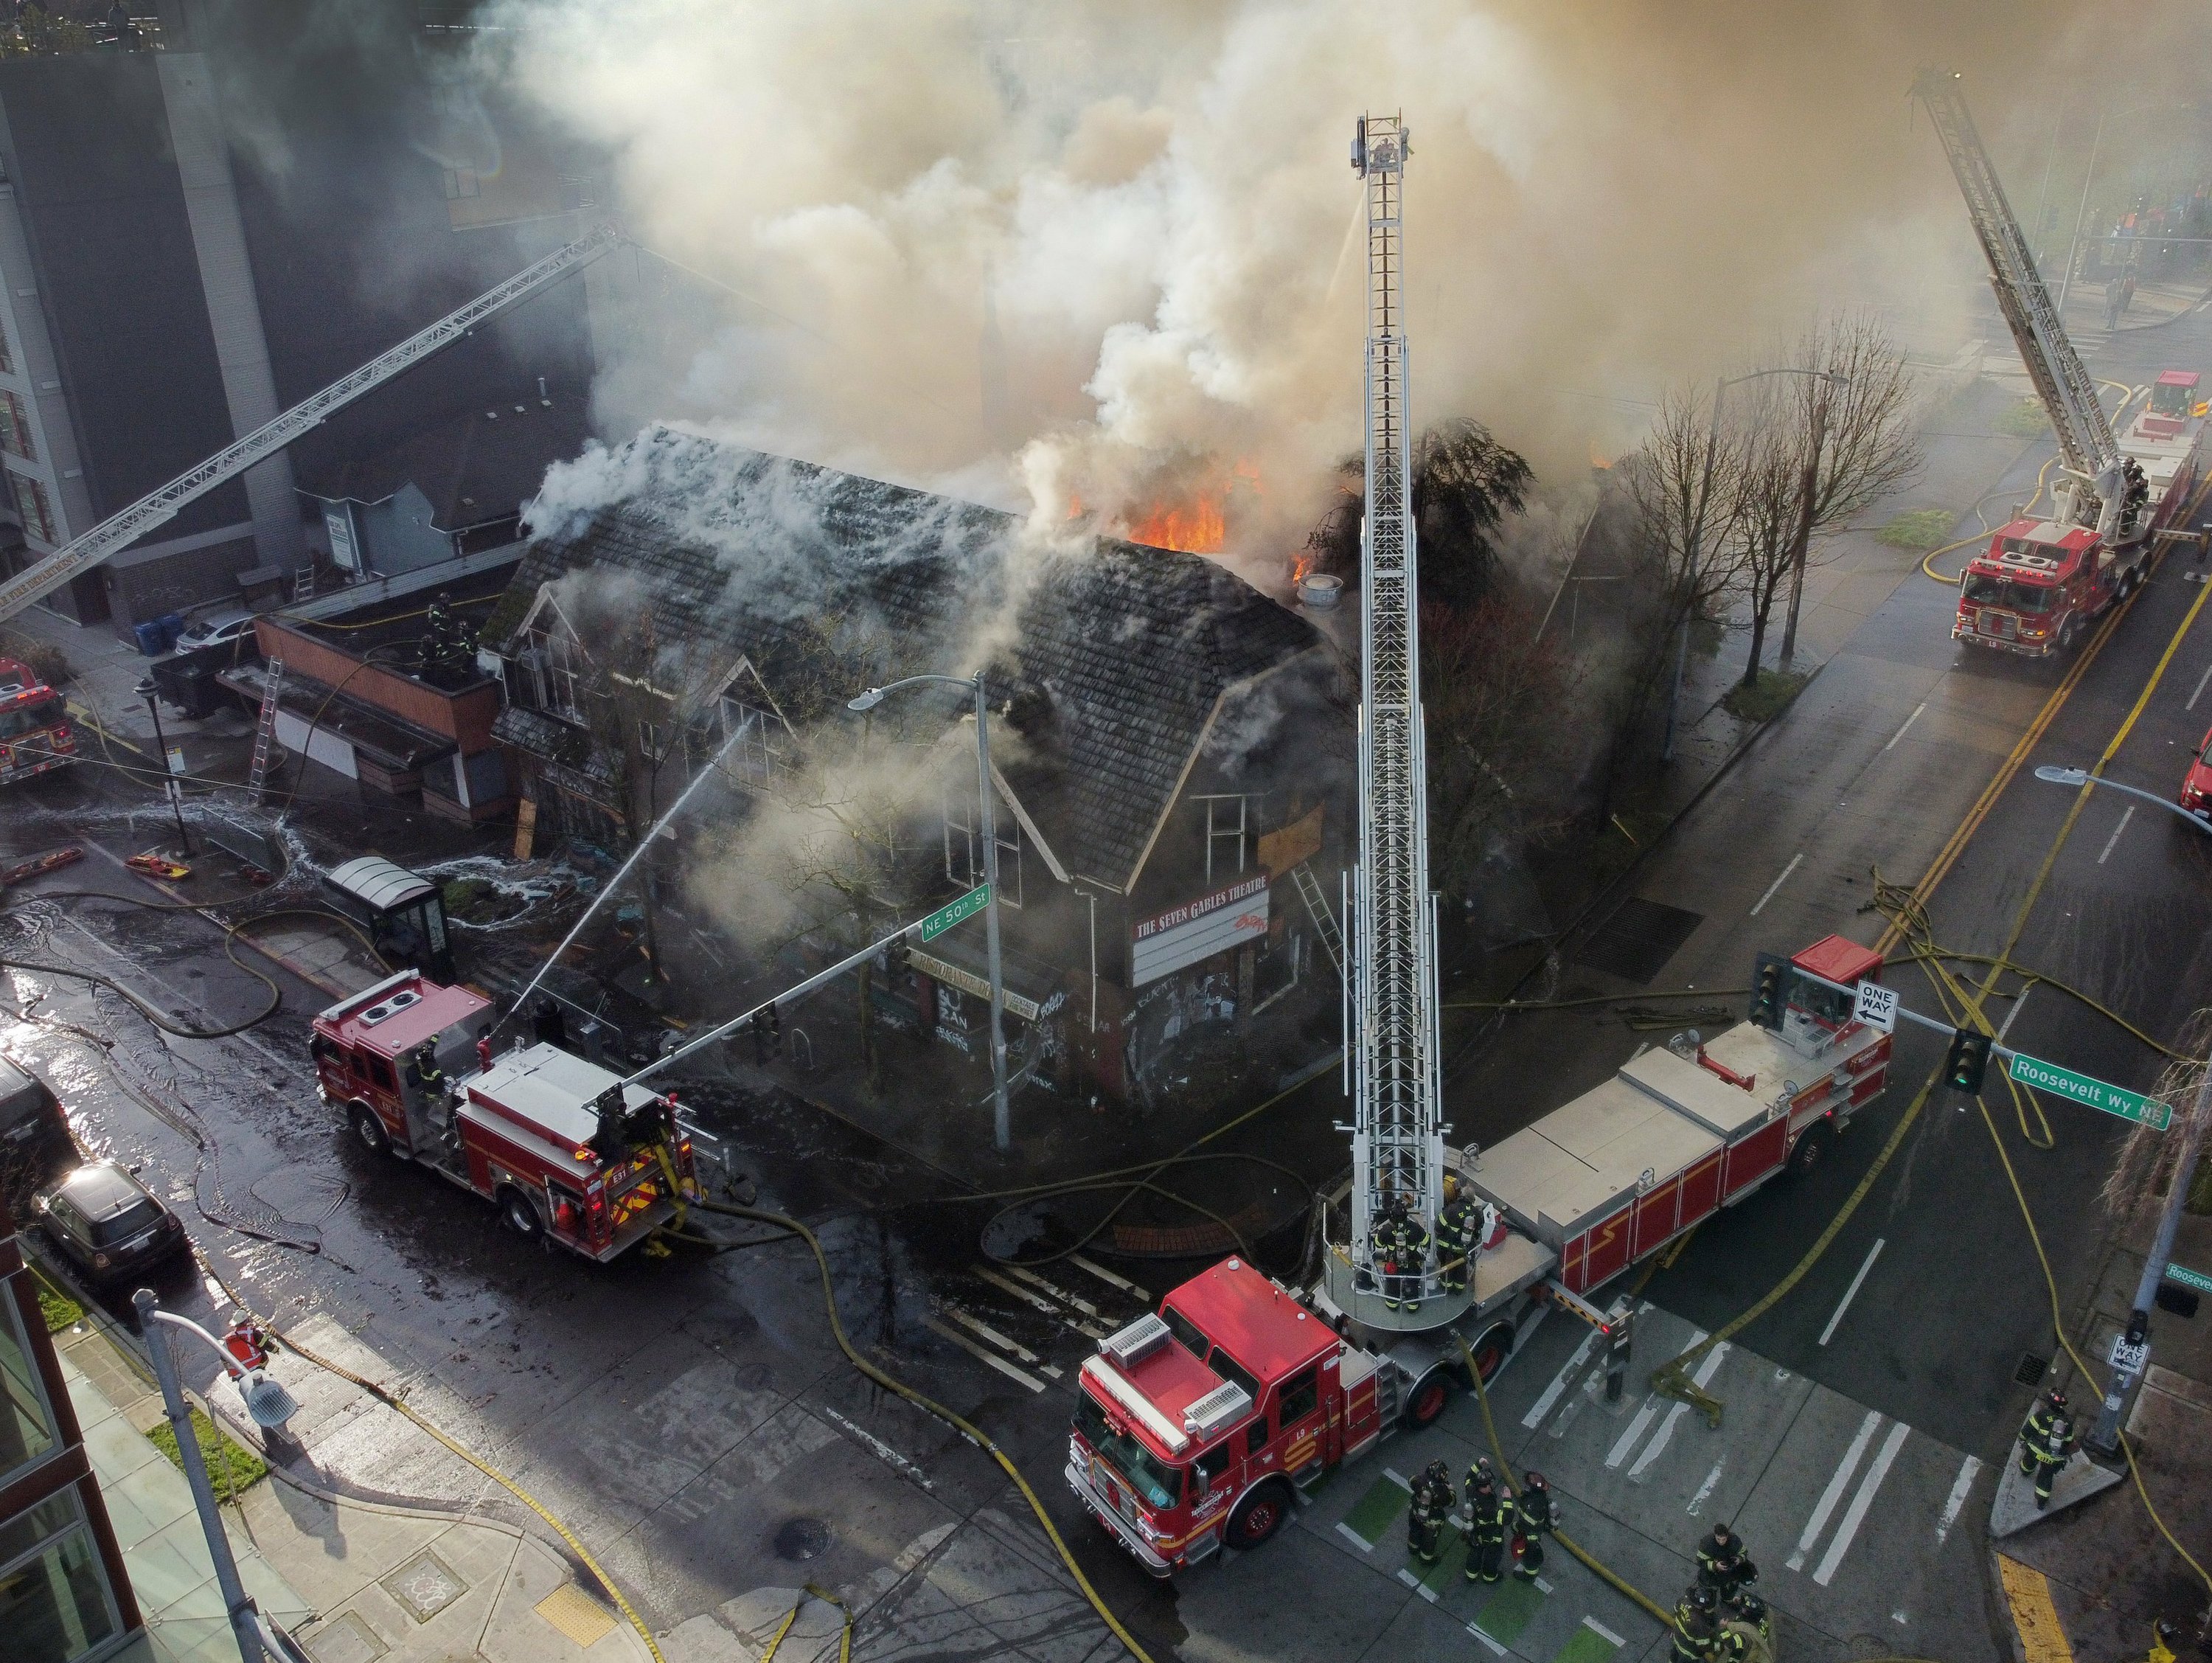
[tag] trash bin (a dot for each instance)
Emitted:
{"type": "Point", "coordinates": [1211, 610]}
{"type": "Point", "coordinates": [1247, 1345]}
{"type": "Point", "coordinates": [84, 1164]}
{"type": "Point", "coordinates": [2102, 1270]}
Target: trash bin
{"type": "Point", "coordinates": [148, 638]}
{"type": "Point", "coordinates": [172, 625]}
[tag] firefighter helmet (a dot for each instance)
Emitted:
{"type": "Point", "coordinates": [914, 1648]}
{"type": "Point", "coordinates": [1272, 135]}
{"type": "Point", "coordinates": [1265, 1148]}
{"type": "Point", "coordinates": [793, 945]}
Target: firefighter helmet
{"type": "Point", "coordinates": [1747, 1606]}
{"type": "Point", "coordinates": [1534, 1481]}
{"type": "Point", "coordinates": [2055, 1399]}
{"type": "Point", "coordinates": [1704, 1599]}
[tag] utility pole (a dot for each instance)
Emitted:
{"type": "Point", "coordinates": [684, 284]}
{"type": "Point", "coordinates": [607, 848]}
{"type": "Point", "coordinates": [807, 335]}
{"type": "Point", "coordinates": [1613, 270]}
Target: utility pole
{"type": "Point", "coordinates": [2131, 1357]}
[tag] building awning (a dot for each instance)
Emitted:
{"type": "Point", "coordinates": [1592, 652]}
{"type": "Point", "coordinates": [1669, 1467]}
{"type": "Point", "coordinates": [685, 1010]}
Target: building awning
{"type": "Point", "coordinates": [379, 884]}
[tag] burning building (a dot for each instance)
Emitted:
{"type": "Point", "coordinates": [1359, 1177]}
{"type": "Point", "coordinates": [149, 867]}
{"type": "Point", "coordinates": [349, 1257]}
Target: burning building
{"type": "Point", "coordinates": [1171, 753]}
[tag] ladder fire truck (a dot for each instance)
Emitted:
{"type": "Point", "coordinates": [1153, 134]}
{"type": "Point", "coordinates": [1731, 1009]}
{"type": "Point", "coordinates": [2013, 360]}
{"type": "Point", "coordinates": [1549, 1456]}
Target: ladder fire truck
{"type": "Point", "coordinates": [35, 736]}
{"type": "Point", "coordinates": [2039, 583]}
{"type": "Point", "coordinates": [568, 1150]}
{"type": "Point", "coordinates": [1195, 1428]}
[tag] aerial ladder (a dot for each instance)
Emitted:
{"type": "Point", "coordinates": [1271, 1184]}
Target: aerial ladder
{"type": "Point", "coordinates": [1392, 1050]}
{"type": "Point", "coordinates": [118, 531]}
{"type": "Point", "coordinates": [2095, 490]}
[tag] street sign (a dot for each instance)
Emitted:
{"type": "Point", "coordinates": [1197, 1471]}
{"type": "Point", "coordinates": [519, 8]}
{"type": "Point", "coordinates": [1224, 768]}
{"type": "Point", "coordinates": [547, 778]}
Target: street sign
{"type": "Point", "coordinates": [1876, 1006]}
{"type": "Point", "coordinates": [2189, 1278]}
{"type": "Point", "coordinates": [2128, 1359]}
{"type": "Point", "coordinates": [2080, 1088]}
{"type": "Point", "coordinates": [952, 913]}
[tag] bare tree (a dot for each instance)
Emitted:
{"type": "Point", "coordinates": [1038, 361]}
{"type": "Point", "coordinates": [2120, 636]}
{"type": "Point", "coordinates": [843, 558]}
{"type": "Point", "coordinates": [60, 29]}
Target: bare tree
{"type": "Point", "coordinates": [1685, 483]}
{"type": "Point", "coordinates": [1768, 507]}
{"type": "Point", "coordinates": [1851, 424]}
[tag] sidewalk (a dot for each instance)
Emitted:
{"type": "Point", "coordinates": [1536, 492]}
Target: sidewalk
{"type": "Point", "coordinates": [352, 1581]}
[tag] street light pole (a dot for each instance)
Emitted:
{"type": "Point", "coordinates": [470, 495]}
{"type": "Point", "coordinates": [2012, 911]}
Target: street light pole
{"type": "Point", "coordinates": [147, 691]}
{"type": "Point", "coordinates": [2104, 1438]}
{"type": "Point", "coordinates": [2053, 776]}
{"type": "Point", "coordinates": [986, 826]}
{"type": "Point", "coordinates": [244, 1623]}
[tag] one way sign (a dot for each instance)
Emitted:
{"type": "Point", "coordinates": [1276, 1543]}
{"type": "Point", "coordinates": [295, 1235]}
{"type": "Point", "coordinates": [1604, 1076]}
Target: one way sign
{"type": "Point", "coordinates": [1877, 1007]}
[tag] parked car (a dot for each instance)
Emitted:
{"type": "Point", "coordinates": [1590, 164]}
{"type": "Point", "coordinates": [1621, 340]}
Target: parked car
{"type": "Point", "coordinates": [2197, 784]}
{"type": "Point", "coordinates": [35, 1134]}
{"type": "Point", "coordinates": [218, 628]}
{"type": "Point", "coordinates": [108, 1223]}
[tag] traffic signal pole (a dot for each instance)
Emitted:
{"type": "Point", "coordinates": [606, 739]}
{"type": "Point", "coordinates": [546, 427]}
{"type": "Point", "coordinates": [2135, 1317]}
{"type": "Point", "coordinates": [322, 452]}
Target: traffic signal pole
{"type": "Point", "coordinates": [2131, 1356]}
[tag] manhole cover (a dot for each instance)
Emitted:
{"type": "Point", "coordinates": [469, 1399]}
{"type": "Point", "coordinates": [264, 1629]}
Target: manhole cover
{"type": "Point", "coordinates": [2031, 1368]}
{"type": "Point", "coordinates": [803, 1539]}
{"type": "Point", "coordinates": [1637, 938]}
{"type": "Point", "coordinates": [425, 1585]}
{"type": "Point", "coordinates": [345, 1639]}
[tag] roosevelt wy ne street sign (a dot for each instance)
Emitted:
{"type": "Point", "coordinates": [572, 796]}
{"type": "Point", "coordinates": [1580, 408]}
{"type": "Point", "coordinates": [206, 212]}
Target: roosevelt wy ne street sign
{"type": "Point", "coordinates": [2080, 1088]}
{"type": "Point", "coordinates": [953, 911]}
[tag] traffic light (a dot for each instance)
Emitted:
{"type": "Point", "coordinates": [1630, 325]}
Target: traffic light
{"type": "Point", "coordinates": [775, 1030]}
{"type": "Point", "coordinates": [1769, 977]}
{"type": "Point", "coordinates": [898, 958]}
{"type": "Point", "coordinates": [1968, 1061]}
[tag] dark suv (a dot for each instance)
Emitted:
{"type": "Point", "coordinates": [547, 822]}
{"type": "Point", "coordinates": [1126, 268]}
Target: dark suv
{"type": "Point", "coordinates": [107, 1221]}
{"type": "Point", "coordinates": [34, 1137]}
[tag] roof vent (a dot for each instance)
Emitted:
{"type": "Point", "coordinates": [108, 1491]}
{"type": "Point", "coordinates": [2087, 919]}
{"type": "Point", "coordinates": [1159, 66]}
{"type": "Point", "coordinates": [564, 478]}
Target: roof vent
{"type": "Point", "coordinates": [1139, 1339]}
{"type": "Point", "coordinates": [1225, 1405]}
{"type": "Point", "coordinates": [391, 1006]}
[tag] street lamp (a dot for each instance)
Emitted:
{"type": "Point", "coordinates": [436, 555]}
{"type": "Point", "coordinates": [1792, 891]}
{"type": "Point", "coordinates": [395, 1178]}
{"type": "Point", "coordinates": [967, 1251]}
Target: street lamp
{"type": "Point", "coordinates": [1001, 1118]}
{"type": "Point", "coordinates": [2052, 775]}
{"type": "Point", "coordinates": [147, 691]}
{"type": "Point", "coordinates": [1692, 543]}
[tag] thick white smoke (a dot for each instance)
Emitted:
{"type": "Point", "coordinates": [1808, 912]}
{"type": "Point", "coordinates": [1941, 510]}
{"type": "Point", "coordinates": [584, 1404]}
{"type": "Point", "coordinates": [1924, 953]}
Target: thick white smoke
{"type": "Point", "coordinates": [1098, 253]}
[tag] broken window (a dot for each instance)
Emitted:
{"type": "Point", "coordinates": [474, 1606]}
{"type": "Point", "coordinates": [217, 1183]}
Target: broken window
{"type": "Point", "coordinates": [1226, 846]}
{"type": "Point", "coordinates": [761, 751]}
{"type": "Point", "coordinates": [556, 663]}
{"type": "Point", "coordinates": [964, 850]}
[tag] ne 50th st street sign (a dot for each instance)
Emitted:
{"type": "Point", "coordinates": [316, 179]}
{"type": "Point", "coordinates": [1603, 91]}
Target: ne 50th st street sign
{"type": "Point", "coordinates": [2080, 1088]}
{"type": "Point", "coordinates": [953, 911]}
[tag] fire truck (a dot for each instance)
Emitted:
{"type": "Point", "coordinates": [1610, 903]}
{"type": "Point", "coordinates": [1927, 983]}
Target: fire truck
{"type": "Point", "coordinates": [2037, 585]}
{"type": "Point", "coordinates": [34, 728]}
{"type": "Point", "coordinates": [1196, 1427]}
{"type": "Point", "coordinates": [569, 1152]}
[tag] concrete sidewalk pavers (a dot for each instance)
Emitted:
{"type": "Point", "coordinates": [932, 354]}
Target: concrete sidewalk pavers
{"type": "Point", "coordinates": [353, 1581]}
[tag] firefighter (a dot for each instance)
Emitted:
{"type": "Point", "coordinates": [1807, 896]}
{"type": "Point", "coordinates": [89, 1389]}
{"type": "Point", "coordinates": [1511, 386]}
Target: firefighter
{"type": "Point", "coordinates": [1432, 1499]}
{"type": "Point", "coordinates": [1747, 1615]}
{"type": "Point", "coordinates": [483, 1047]}
{"type": "Point", "coordinates": [1455, 1236]}
{"type": "Point", "coordinates": [1403, 1244]}
{"type": "Point", "coordinates": [2044, 1443]}
{"type": "Point", "coordinates": [1697, 1627]}
{"type": "Point", "coordinates": [423, 1069]}
{"type": "Point", "coordinates": [247, 1342]}
{"type": "Point", "coordinates": [1532, 1522]}
{"type": "Point", "coordinates": [1722, 1565]}
{"type": "Point", "coordinates": [1485, 1523]}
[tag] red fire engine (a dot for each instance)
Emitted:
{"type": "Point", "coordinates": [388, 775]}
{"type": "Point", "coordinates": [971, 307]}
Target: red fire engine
{"type": "Point", "coordinates": [35, 728]}
{"type": "Point", "coordinates": [1195, 1428]}
{"type": "Point", "coordinates": [2040, 583]}
{"type": "Point", "coordinates": [566, 1148]}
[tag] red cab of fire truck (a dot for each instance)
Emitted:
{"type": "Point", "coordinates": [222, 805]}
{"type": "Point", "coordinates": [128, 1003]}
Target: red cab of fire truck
{"type": "Point", "coordinates": [1192, 1426]}
{"type": "Point", "coordinates": [564, 1148]}
{"type": "Point", "coordinates": [35, 735]}
{"type": "Point", "coordinates": [2039, 584]}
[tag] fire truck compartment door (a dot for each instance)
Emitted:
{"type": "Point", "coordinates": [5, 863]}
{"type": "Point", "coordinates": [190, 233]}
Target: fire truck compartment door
{"type": "Point", "coordinates": [1517, 1263]}
{"type": "Point", "coordinates": [1754, 1158]}
{"type": "Point", "coordinates": [1690, 1089]}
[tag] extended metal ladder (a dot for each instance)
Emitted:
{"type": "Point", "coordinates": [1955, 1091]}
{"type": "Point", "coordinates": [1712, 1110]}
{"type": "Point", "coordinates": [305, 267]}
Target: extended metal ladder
{"type": "Point", "coordinates": [1325, 926]}
{"type": "Point", "coordinates": [264, 729]}
{"type": "Point", "coordinates": [303, 583]}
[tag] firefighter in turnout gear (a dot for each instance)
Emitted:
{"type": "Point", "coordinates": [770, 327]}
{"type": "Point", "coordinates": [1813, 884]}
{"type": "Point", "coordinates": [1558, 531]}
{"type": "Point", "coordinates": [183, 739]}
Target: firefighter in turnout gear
{"type": "Point", "coordinates": [1697, 1627]}
{"type": "Point", "coordinates": [1433, 1500]}
{"type": "Point", "coordinates": [2046, 1442]}
{"type": "Point", "coordinates": [1747, 1615]}
{"type": "Point", "coordinates": [1401, 1244]}
{"type": "Point", "coordinates": [1456, 1236]}
{"type": "Point", "coordinates": [1532, 1523]}
{"type": "Point", "coordinates": [1485, 1523]}
{"type": "Point", "coordinates": [1722, 1565]}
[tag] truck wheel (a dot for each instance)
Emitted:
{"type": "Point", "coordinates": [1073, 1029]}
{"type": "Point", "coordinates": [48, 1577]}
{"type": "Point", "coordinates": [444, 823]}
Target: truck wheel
{"type": "Point", "coordinates": [1492, 1350]}
{"type": "Point", "coordinates": [1812, 1149]}
{"type": "Point", "coordinates": [370, 1129]}
{"type": "Point", "coordinates": [1427, 1399]}
{"type": "Point", "coordinates": [519, 1214]}
{"type": "Point", "coordinates": [2070, 633]}
{"type": "Point", "coordinates": [1258, 1516]}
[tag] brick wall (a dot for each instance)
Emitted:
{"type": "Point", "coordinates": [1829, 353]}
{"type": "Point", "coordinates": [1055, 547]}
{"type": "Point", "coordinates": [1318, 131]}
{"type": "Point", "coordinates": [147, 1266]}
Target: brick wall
{"type": "Point", "coordinates": [465, 717]}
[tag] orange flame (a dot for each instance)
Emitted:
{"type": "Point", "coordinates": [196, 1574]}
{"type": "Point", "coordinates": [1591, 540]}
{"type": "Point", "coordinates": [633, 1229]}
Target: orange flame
{"type": "Point", "coordinates": [1302, 565]}
{"type": "Point", "coordinates": [1193, 528]}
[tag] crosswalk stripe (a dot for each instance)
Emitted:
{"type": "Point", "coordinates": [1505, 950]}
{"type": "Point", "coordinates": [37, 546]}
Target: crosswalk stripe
{"type": "Point", "coordinates": [1551, 1394]}
{"type": "Point", "coordinates": [1849, 1528]}
{"type": "Point", "coordinates": [1657, 1446]}
{"type": "Point", "coordinates": [1642, 1422]}
{"type": "Point", "coordinates": [1967, 1472]}
{"type": "Point", "coordinates": [1834, 1492]}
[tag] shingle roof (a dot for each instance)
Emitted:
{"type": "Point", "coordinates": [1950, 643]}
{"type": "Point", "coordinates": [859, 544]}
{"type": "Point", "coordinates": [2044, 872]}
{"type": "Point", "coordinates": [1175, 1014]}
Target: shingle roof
{"type": "Point", "coordinates": [1119, 657]}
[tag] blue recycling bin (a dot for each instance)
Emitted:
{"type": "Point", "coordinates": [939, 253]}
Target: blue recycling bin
{"type": "Point", "coordinates": [148, 636]}
{"type": "Point", "coordinates": [173, 626]}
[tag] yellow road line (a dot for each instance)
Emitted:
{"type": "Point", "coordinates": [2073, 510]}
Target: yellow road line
{"type": "Point", "coordinates": [2027, 1590]}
